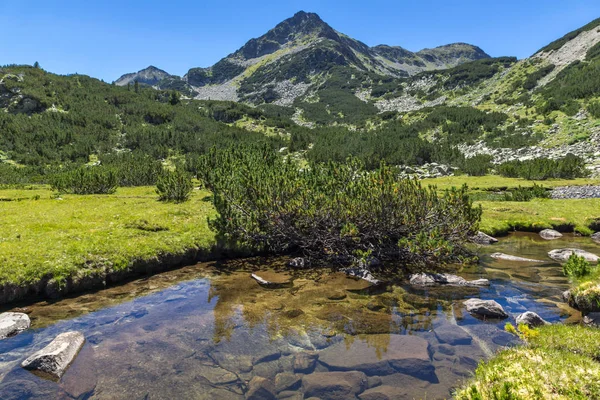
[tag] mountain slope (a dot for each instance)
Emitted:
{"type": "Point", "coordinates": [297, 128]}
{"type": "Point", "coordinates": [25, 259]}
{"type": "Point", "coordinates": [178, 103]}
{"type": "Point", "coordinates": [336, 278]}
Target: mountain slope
{"type": "Point", "coordinates": [148, 76]}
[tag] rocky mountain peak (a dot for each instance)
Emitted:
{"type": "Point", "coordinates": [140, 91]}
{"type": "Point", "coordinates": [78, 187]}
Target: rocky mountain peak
{"type": "Point", "coordinates": [149, 76]}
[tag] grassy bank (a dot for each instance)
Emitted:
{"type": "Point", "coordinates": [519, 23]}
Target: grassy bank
{"type": "Point", "coordinates": [44, 237]}
{"type": "Point", "coordinates": [559, 362]}
{"type": "Point", "coordinates": [501, 217]}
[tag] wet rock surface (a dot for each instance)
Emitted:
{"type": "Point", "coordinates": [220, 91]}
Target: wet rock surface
{"type": "Point", "coordinates": [485, 308]}
{"type": "Point", "coordinates": [483, 239]}
{"type": "Point", "coordinates": [54, 359]}
{"type": "Point", "coordinates": [13, 323]}
{"type": "Point", "coordinates": [334, 385]}
{"type": "Point", "coordinates": [424, 279]}
{"type": "Point", "coordinates": [531, 319]}
{"type": "Point", "coordinates": [562, 255]}
{"type": "Point", "coordinates": [508, 257]}
{"type": "Point", "coordinates": [550, 234]}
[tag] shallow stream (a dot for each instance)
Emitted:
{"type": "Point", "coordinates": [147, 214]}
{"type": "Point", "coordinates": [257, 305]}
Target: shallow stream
{"type": "Point", "coordinates": [203, 332]}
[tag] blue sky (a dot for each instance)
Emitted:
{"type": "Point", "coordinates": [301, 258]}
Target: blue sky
{"type": "Point", "coordinates": [107, 38]}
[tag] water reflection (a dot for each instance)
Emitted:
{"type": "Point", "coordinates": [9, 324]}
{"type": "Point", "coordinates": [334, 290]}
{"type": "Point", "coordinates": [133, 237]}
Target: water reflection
{"type": "Point", "coordinates": [205, 331]}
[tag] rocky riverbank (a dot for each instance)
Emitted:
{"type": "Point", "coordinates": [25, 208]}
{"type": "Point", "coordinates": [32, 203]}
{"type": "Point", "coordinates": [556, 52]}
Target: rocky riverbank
{"type": "Point", "coordinates": [576, 192]}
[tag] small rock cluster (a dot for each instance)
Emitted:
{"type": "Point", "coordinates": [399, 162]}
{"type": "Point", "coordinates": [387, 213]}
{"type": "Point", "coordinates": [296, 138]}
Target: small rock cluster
{"type": "Point", "coordinates": [432, 170]}
{"type": "Point", "coordinates": [576, 192]}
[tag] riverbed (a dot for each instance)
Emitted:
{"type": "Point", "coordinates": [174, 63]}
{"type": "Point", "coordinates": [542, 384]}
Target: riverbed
{"type": "Point", "coordinates": [205, 331]}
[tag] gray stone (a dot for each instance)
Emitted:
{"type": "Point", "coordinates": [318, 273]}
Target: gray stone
{"type": "Point", "coordinates": [297, 263]}
{"type": "Point", "coordinates": [287, 381]}
{"type": "Point", "coordinates": [290, 395]}
{"type": "Point", "coordinates": [373, 381]}
{"type": "Point", "coordinates": [272, 283]}
{"type": "Point", "coordinates": [562, 255]}
{"type": "Point", "coordinates": [54, 359]}
{"type": "Point", "coordinates": [596, 237]}
{"type": "Point", "coordinates": [12, 323]}
{"type": "Point", "coordinates": [482, 238]}
{"type": "Point", "coordinates": [305, 362]}
{"type": "Point", "coordinates": [452, 334]}
{"type": "Point", "coordinates": [531, 319]}
{"type": "Point", "coordinates": [334, 385]}
{"type": "Point", "coordinates": [424, 279]}
{"type": "Point", "coordinates": [402, 353]}
{"type": "Point", "coordinates": [383, 393]}
{"type": "Point", "coordinates": [507, 257]}
{"type": "Point", "coordinates": [485, 308]}
{"type": "Point", "coordinates": [550, 234]}
{"type": "Point", "coordinates": [361, 273]}
{"type": "Point", "coordinates": [592, 320]}
{"type": "Point", "coordinates": [260, 389]}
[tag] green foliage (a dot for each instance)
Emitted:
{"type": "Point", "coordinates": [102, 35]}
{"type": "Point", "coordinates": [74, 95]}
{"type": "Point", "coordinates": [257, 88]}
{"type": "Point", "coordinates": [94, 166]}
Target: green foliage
{"type": "Point", "coordinates": [527, 193]}
{"type": "Point", "coordinates": [533, 78]}
{"type": "Point", "coordinates": [175, 186]}
{"type": "Point", "coordinates": [577, 267]}
{"type": "Point", "coordinates": [86, 180]}
{"type": "Point", "coordinates": [569, 167]}
{"type": "Point", "coordinates": [470, 73]}
{"type": "Point", "coordinates": [478, 165]}
{"type": "Point", "coordinates": [594, 109]}
{"type": "Point", "coordinates": [334, 211]}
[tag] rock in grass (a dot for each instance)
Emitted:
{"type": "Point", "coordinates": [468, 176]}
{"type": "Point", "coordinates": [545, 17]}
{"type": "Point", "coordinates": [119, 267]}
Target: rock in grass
{"type": "Point", "coordinates": [562, 255]}
{"type": "Point", "coordinates": [12, 323]}
{"type": "Point", "coordinates": [508, 257]}
{"type": "Point", "coordinates": [531, 319]}
{"type": "Point", "coordinates": [482, 238]}
{"type": "Point", "coordinates": [424, 279]}
{"type": "Point", "coordinates": [54, 359]}
{"type": "Point", "coordinates": [550, 234]}
{"type": "Point", "coordinates": [485, 308]}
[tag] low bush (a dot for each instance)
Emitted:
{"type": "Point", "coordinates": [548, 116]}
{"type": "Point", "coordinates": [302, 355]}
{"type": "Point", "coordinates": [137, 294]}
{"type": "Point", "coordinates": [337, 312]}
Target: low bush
{"type": "Point", "coordinates": [335, 212]}
{"type": "Point", "coordinates": [86, 180]}
{"type": "Point", "coordinates": [175, 186]}
{"type": "Point", "coordinates": [527, 193]}
{"type": "Point", "coordinates": [569, 167]}
{"type": "Point", "coordinates": [577, 267]}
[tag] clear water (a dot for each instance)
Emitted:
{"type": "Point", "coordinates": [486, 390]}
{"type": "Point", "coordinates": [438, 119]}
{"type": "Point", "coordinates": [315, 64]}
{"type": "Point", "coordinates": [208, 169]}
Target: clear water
{"type": "Point", "coordinates": [203, 332]}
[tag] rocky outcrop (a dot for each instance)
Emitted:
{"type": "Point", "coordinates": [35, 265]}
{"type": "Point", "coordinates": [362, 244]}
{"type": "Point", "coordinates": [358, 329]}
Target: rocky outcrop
{"type": "Point", "coordinates": [531, 319]}
{"type": "Point", "coordinates": [482, 238]}
{"type": "Point", "coordinates": [562, 255]}
{"type": "Point", "coordinates": [12, 323]}
{"type": "Point", "coordinates": [424, 279]}
{"type": "Point", "coordinates": [507, 257]}
{"type": "Point", "coordinates": [54, 360]}
{"type": "Point", "coordinates": [405, 354]}
{"type": "Point", "coordinates": [485, 309]}
{"type": "Point", "coordinates": [550, 234]}
{"type": "Point", "coordinates": [334, 385]}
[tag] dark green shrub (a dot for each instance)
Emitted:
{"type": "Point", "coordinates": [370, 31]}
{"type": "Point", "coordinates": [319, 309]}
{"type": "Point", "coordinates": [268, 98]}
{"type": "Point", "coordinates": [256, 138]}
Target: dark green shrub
{"type": "Point", "coordinates": [577, 267]}
{"type": "Point", "coordinates": [175, 186]}
{"type": "Point", "coordinates": [334, 212]}
{"type": "Point", "coordinates": [86, 180]}
{"type": "Point", "coordinates": [527, 193]}
{"type": "Point", "coordinates": [594, 109]}
{"type": "Point", "coordinates": [477, 166]}
{"type": "Point", "coordinates": [569, 167]}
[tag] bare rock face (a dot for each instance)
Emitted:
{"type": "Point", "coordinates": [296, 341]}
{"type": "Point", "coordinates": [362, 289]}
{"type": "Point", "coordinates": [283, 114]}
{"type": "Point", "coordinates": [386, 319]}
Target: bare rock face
{"type": "Point", "coordinates": [482, 238]}
{"type": "Point", "coordinates": [562, 255]}
{"type": "Point", "coordinates": [405, 354]}
{"type": "Point", "coordinates": [508, 257]}
{"type": "Point", "coordinates": [424, 279]}
{"type": "Point", "coordinates": [531, 319]}
{"type": "Point", "coordinates": [485, 308]}
{"type": "Point", "coordinates": [12, 323]}
{"type": "Point", "coordinates": [334, 385]}
{"type": "Point", "coordinates": [54, 360]}
{"type": "Point", "coordinates": [550, 234]}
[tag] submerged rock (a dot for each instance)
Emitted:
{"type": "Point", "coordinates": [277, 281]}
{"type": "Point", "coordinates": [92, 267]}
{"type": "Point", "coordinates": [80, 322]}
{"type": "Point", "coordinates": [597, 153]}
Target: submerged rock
{"type": "Point", "coordinates": [334, 385]}
{"type": "Point", "coordinates": [261, 389]}
{"type": "Point", "coordinates": [305, 362]}
{"type": "Point", "coordinates": [485, 308]}
{"type": "Point", "coordinates": [287, 381]}
{"type": "Point", "coordinates": [482, 238]}
{"type": "Point", "coordinates": [508, 257]}
{"type": "Point", "coordinates": [272, 280]}
{"type": "Point", "coordinates": [550, 234]}
{"type": "Point", "coordinates": [562, 255]}
{"type": "Point", "coordinates": [452, 334]}
{"type": "Point", "coordinates": [12, 323]}
{"type": "Point", "coordinates": [531, 319]}
{"type": "Point", "coordinates": [361, 273]}
{"type": "Point", "coordinates": [383, 393]}
{"type": "Point", "coordinates": [54, 359]}
{"type": "Point", "coordinates": [405, 354]}
{"type": "Point", "coordinates": [424, 279]}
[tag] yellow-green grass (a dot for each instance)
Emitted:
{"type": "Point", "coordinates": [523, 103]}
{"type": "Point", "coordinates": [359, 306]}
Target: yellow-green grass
{"type": "Point", "coordinates": [79, 235]}
{"type": "Point", "coordinates": [500, 217]}
{"type": "Point", "coordinates": [560, 362]}
{"type": "Point", "coordinates": [490, 182]}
